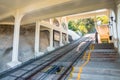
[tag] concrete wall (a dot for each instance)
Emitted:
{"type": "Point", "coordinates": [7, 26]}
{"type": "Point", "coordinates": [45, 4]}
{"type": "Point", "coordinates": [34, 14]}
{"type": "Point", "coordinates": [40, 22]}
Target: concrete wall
{"type": "Point", "coordinates": [44, 40]}
{"type": "Point", "coordinates": [26, 43]}
{"type": "Point", "coordinates": [64, 39]}
{"type": "Point", "coordinates": [6, 40]}
{"type": "Point", "coordinates": [56, 38]}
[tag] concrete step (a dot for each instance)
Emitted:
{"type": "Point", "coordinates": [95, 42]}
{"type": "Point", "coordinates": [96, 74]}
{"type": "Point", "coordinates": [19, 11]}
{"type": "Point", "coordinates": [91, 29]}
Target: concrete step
{"type": "Point", "coordinates": [103, 59]}
{"type": "Point", "coordinates": [104, 55]}
{"type": "Point", "coordinates": [104, 46]}
{"type": "Point", "coordinates": [95, 77]}
{"type": "Point", "coordinates": [111, 65]}
{"type": "Point", "coordinates": [102, 71]}
{"type": "Point", "coordinates": [104, 50]}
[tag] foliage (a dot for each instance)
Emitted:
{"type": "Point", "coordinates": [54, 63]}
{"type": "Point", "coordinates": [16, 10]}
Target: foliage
{"type": "Point", "coordinates": [104, 19]}
{"type": "Point", "coordinates": [83, 25]}
{"type": "Point", "coordinates": [72, 25]}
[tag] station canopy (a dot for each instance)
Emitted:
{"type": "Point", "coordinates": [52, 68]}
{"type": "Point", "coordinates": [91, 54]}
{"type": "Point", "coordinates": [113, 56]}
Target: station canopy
{"type": "Point", "coordinates": [43, 9]}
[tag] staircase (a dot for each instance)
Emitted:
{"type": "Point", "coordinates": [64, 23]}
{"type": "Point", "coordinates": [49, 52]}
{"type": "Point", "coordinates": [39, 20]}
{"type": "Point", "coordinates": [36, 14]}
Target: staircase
{"type": "Point", "coordinates": [102, 65]}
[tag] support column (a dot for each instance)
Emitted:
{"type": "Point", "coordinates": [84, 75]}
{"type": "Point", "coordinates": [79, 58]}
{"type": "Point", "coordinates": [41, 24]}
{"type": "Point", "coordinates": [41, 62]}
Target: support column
{"type": "Point", "coordinates": [37, 36]}
{"type": "Point", "coordinates": [96, 27]}
{"type": "Point", "coordinates": [51, 22]}
{"type": "Point", "coordinates": [37, 40]}
{"type": "Point", "coordinates": [15, 52]}
{"type": "Point", "coordinates": [50, 48]}
{"type": "Point", "coordinates": [96, 34]}
{"type": "Point", "coordinates": [110, 27]}
{"type": "Point", "coordinates": [114, 28]}
{"type": "Point", "coordinates": [118, 27]}
{"type": "Point", "coordinates": [67, 36]}
{"type": "Point", "coordinates": [61, 44]}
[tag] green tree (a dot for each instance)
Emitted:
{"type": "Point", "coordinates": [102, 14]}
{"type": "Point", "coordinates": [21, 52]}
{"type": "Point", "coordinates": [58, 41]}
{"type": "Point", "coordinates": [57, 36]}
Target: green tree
{"type": "Point", "coordinates": [72, 26]}
{"type": "Point", "coordinates": [83, 25]}
{"type": "Point", "coordinates": [104, 19]}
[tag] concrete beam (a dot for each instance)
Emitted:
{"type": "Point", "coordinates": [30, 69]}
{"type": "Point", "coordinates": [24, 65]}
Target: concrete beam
{"type": "Point", "coordinates": [13, 13]}
{"type": "Point", "coordinates": [8, 23]}
{"type": "Point", "coordinates": [71, 11]}
{"type": "Point", "coordinates": [40, 5]}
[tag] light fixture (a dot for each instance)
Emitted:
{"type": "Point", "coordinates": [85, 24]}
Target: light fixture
{"type": "Point", "coordinates": [112, 19]}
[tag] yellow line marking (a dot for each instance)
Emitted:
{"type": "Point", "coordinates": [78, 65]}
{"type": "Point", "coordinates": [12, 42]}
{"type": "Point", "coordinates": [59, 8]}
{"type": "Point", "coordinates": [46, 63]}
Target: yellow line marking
{"type": "Point", "coordinates": [83, 58]}
{"type": "Point", "coordinates": [71, 73]}
{"type": "Point", "coordinates": [88, 58]}
{"type": "Point", "coordinates": [80, 71]}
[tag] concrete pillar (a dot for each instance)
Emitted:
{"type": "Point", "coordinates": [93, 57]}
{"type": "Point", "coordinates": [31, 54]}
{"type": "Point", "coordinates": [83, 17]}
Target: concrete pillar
{"type": "Point", "coordinates": [118, 27]}
{"type": "Point", "coordinates": [110, 27]}
{"type": "Point", "coordinates": [15, 52]}
{"type": "Point", "coordinates": [37, 40]}
{"type": "Point", "coordinates": [50, 48]}
{"type": "Point", "coordinates": [111, 24]}
{"type": "Point", "coordinates": [114, 28]}
{"type": "Point", "coordinates": [51, 38]}
{"type": "Point", "coordinates": [67, 37]}
{"type": "Point", "coordinates": [66, 23]}
{"type": "Point", "coordinates": [61, 44]}
{"type": "Point", "coordinates": [37, 35]}
{"type": "Point", "coordinates": [51, 22]}
{"type": "Point", "coordinates": [96, 27]}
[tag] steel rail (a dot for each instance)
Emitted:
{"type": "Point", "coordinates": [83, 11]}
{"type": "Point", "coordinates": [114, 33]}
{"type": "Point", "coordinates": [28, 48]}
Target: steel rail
{"type": "Point", "coordinates": [12, 70]}
{"type": "Point", "coordinates": [69, 68]}
{"type": "Point", "coordinates": [29, 76]}
{"type": "Point", "coordinates": [51, 71]}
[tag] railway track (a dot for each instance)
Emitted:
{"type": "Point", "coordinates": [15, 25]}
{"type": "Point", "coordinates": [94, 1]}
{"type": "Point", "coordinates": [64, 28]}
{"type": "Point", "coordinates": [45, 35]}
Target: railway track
{"type": "Point", "coordinates": [62, 66]}
{"type": "Point", "coordinates": [54, 63]}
